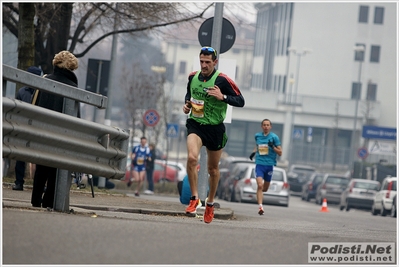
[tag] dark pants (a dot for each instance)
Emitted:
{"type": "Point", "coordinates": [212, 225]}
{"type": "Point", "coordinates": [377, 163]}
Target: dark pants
{"type": "Point", "coordinates": [150, 179]}
{"type": "Point", "coordinates": [44, 175]}
{"type": "Point", "coordinates": [19, 172]}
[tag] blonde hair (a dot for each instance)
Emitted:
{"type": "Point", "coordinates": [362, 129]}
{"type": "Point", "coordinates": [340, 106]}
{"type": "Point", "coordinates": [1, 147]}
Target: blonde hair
{"type": "Point", "coordinates": [65, 60]}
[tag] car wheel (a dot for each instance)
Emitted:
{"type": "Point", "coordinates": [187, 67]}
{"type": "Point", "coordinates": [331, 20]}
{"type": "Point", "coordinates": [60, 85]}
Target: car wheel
{"type": "Point", "coordinates": [373, 210]}
{"type": "Point", "coordinates": [384, 212]}
{"type": "Point", "coordinates": [233, 196]}
{"type": "Point", "coordinates": [393, 210]}
{"type": "Point", "coordinates": [347, 206]}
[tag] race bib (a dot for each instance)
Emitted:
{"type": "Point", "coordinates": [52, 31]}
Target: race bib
{"type": "Point", "coordinates": [263, 149]}
{"type": "Point", "coordinates": [140, 160]}
{"type": "Point", "coordinates": [197, 108]}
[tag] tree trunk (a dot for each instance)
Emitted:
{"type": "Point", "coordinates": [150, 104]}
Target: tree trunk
{"type": "Point", "coordinates": [57, 42]}
{"type": "Point", "coordinates": [26, 38]}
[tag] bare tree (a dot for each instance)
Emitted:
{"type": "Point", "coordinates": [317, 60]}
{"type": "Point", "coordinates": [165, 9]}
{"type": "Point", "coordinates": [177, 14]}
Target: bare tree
{"type": "Point", "coordinates": [82, 25]}
{"type": "Point", "coordinates": [140, 92]}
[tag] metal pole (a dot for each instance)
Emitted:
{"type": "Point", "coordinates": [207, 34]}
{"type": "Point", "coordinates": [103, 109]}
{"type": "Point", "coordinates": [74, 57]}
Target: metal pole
{"type": "Point", "coordinates": [215, 43]}
{"type": "Point", "coordinates": [108, 111]}
{"type": "Point", "coordinates": [291, 156]}
{"type": "Point", "coordinates": [100, 63]}
{"type": "Point", "coordinates": [63, 179]}
{"type": "Point", "coordinates": [358, 95]}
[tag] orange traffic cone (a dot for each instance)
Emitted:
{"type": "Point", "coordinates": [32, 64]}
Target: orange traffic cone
{"type": "Point", "coordinates": [324, 206]}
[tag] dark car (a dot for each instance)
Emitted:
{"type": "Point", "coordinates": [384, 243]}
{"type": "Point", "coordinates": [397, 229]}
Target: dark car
{"type": "Point", "coordinates": [226, 165]}
{"type": "Point", "coordinates": [298, 175]}
{"type": "Point", "coordinates": [309, 189]}
{"type": "Point", "coordinates": [331, 188]}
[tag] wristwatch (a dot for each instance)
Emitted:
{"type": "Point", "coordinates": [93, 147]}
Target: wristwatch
{"type": "Point", "coordinates": [224, 98]}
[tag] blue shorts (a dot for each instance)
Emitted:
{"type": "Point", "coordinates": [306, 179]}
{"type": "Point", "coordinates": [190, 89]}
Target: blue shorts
{"type": "Point", "coordinates": [139, 168]}
{"type": "Point", "coordinates": [264, 171]}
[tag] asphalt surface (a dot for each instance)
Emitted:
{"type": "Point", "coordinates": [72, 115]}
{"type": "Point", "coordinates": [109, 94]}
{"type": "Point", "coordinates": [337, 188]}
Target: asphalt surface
{"type": "Point", "coordinates": [115, 203]}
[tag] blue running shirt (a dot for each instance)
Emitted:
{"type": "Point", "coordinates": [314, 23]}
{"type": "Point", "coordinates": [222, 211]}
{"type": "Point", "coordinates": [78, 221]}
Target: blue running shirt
{"type": "Point", "coordinates": [265, 155]}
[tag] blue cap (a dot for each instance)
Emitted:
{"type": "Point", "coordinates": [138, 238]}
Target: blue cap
{"type": "Point", "coordinates": [35, 70]}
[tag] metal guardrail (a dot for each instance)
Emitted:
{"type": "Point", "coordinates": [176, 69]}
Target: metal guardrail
{"type": "Point", "coordinates": [34, 134]}
{"type": "Point", "coordinates": [42, 136]}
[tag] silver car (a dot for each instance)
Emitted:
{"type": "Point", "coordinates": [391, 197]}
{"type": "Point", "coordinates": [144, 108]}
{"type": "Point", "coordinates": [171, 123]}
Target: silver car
{"type": "Point", "coordinates": [278, 193]}
{"type": "Point", "coordinates": [331, 188]}
{"type": "Point", "coordinates": [359, 194]}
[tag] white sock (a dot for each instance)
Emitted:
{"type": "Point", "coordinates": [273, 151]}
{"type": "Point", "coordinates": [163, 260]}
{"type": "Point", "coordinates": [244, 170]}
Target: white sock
{"type": "Point", "coordinates": [260, 206]}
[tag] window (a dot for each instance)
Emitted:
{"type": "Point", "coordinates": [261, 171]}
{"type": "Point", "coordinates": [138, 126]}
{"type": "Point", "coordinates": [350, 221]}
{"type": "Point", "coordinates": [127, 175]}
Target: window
{"type": "Point", "coordinates": [363, 14]}
{"type": "Point", "coordinates": [375, 53]}
{"type": "Point", "coordinates": [356, 89]}
{"type": "Point", "coordinates": [184, 46]}
{"type": "Point", "coordinates": [379, 15]}
{"type": "Point", "coordinates": [182, 68]}
{"type": "Point", "coordinates": [359, 55]}
{"type": "Point", "coordinates": [371, 92]}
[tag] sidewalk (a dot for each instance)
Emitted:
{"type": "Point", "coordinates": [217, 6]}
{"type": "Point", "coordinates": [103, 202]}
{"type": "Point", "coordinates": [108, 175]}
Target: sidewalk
{"type": "Point", "coordinates": [83, 202]}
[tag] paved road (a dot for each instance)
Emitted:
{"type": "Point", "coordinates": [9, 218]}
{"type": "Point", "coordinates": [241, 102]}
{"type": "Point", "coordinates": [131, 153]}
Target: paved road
{"type": "Point", "coordinates": [279, 237]}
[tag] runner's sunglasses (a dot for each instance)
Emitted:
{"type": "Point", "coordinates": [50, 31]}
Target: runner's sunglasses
{"type": "Point", "coordinates": [209, 49]}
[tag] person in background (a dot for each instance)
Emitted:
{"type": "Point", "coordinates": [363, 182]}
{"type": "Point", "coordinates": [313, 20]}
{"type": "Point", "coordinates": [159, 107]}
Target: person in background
{"type": "Point", "coordinates": [208, 93]}
{"type": "Point", "coordinates": [140, 154]}
{"type": "Point", "coordinates": [149, 168]}
{"type": "Point", "coordinates": [24, 94]}
{"type": "Point", "coordinates": [64, 64]}
{"type": "Point", "coordinates": [267, 147]}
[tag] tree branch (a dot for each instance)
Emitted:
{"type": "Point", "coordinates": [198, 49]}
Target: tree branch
{"type": "Point", "coordinates": [78, 55]}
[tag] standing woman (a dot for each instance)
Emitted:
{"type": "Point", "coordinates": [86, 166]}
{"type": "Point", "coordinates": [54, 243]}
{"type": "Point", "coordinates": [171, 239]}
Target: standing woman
{"type": "Point", "coordinates": [149, 167]}
{"type": "Point", "coordinates": [64, 64]}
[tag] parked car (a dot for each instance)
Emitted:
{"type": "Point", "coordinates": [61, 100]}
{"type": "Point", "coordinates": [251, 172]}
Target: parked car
{"type": "Point", "coordinates": [298, 175]}
{"type": "Point", "coordinates": [383, 199]}
{"type": "Point", "coordinates": [181, 169]}
{"type": "Point", "coordinates": [309, 189]}
{"type": "Point", "coordinates": [160, 173]}
{"type": "Point", "coordinates": [359, 194]}
{"type": "Point", "coordinates": [237, 172]}
{"type": "Point", "coordinates": [246, 187]}
{"type": "Point", "coordinates": [331, 188]}
{"type": "Point", "coordinates": [226, 165]}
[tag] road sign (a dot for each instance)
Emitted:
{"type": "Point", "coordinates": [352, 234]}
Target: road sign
{"type": "Point", "coordinates": [362, 153]}
{"type": "Point", "coordinates": [151, 117]}
{"type": "Point", "coordinates": [228, 34]}
{"type": "Point", "coordinates": [172, 130]}
{"type": "Point", "coordinates": [298, 134]}
{"type": "Point", "coordinates": [374, 132]}
{"type": "Point", "coordinates": [98, 74]}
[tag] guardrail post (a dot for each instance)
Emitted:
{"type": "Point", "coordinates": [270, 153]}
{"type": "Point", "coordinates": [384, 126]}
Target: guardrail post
{"type": "Point", "coordinates": [64, 179]}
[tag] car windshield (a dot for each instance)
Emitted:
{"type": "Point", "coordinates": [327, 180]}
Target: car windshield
{"type": "Point", "coordinates": [277, 176]}
{"type": "Point", "coordinates": [365, 185]}
{"type": "Point", "coordinates": [337, 180]}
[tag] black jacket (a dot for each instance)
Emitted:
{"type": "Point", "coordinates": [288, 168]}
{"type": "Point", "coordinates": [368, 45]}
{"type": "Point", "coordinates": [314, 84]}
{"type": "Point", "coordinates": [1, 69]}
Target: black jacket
{"type": "Point", "coordinates": [25, 94]}
{"type": "Point", "coordinates": [52, 101]}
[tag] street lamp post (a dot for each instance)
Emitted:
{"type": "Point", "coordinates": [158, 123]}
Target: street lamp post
{"type": "Point", "coordinates": [358, 49]}
{"type": "Point", "coordinates": [299, 55]}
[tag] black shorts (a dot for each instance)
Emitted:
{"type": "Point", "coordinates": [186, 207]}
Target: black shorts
{"type": "Point", "coordinates": [213, 136]}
